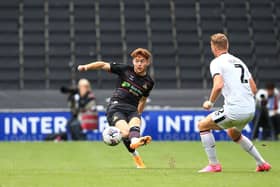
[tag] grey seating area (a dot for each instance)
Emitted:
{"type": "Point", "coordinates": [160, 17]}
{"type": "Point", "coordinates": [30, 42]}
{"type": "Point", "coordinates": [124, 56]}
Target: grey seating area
{"type": "Point", "coordinates": [238, 28]}
{"type": "Point", "coordinates": [9, 43]}
{"type": "Point", "coordinates": [162, 44]}
{"type": "Point", "coordinates": [188, 41]}
{"type": "Point", "coordinates": [42, 42]}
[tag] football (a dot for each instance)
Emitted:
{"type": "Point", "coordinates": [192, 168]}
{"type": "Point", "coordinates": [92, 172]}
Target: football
{"type": "Point", "coordinates": [112, 136]}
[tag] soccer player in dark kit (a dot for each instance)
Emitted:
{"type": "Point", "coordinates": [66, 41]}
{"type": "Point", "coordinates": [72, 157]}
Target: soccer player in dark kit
{"type": "Point", "coordinates": [129, 98]}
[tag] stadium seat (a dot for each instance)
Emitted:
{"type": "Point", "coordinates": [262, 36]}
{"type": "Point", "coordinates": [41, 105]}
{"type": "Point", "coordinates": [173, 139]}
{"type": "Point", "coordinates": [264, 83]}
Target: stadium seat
{"type": "Point", "coordinates": [135, 25]}
{"type": "Point", "coordinates": [165, 78]}
{"type": "Point", "coordinates": [238, 30]}
{"type": "Point", "coordinates": [191, 77]}
{"type": "Point", "coordinates": [177, 33]}
{"type": "Point", "coordinates": [9, 51]}
{"type": "Point", "coordinates": [85, 36]}
{"type": "Point", "coordinates": [34, 45]}
{"type": "Point", "coordinates": [110, 28]}
{"type": "Point", "coordinates": [59, 43]}
{"type": "Point", "coordinates": [211, 20]}
{"type": "Point", "coordinates": [189, 52]}
{"type": "Point", "coordinates": [163, 43]}
{"type": "Point", "coordinates": [108, 80]}
{"type": "Point", "coordinates": [264, 38]}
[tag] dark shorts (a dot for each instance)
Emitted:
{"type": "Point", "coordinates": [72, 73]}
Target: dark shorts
{"type": "Point", "coordinates": [116, 112]}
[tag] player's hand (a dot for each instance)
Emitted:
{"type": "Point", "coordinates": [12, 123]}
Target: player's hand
{"type": "Point", "coordinates": [82, 68]}
{"type": "Point", "coordinates": [207, 105]}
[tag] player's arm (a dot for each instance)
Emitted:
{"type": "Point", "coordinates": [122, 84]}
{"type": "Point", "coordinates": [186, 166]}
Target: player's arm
{"type": "Point", "coordinates": [141, 105]}
{"type": "Point", "coordinates": [253, 86]}
{"type": "Point", "coordinates": [218, 84]}
{"type": "Point", "coordinates": [95, 66]}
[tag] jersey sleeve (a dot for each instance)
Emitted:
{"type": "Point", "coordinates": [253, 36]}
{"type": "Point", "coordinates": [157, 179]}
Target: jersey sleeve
{"type": "Point", "coordinates": [147, 93]}
{"type": "Point", "coordinates": [215, 68]}
{"type": "Point", "coordinates": [247, 73]}
{"type": "Point", "coordinates": [117, 68]}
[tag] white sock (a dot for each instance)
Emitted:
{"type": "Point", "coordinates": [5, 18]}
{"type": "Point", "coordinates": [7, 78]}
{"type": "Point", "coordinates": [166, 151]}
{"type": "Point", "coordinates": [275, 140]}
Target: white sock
{"type": "Point", "coordinates": [135, 153]}
{"type": "Point", "coordinates": [208, 142]}
{"type": "Point", "coordinates": [134, 139]}
{"type": "Point", "coordinates": [248, 146]}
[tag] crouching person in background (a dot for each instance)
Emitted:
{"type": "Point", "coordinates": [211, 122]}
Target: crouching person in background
{"type": "Point", "coordinates": [87, 118]}
{"type": "Point", "coordinates": [84, 116]}
{"type": "Point", "coordinates": [267, 115]}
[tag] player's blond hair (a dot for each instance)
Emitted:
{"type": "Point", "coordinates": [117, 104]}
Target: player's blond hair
{"type": "Point", "coordinates": [220, 41]}
{"type": "Point", "coordinates": [84, 82]}
{"type": "Point", "coordinates": [143, 52]}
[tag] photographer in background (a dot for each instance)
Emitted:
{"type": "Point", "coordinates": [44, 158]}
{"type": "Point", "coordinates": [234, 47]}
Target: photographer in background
{"type": "Point", "coordinates": [272, 106]}
{"type": "Point", "coordinates": [266, 115]}
{"type": "Point", "coordinates": [84, 114]}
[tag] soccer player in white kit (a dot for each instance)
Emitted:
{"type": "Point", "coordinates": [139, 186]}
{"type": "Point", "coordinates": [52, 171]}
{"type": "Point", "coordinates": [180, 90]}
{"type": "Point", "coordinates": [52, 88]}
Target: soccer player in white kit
{"type": "Point", "coordinates": [232, 78]}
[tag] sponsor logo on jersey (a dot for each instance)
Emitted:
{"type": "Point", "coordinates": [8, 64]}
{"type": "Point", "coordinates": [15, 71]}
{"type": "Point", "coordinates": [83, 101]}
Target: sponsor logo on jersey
{"type": "Point", "coordinates": [132, 89]}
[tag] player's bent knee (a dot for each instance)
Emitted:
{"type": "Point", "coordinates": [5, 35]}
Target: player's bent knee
{"type": "Point", "coordinates": [206, 124]}
{"type": "Point", "coordinates": [199, 126]}
{"type": "Point", "coordinates": [234, 134]}
{"type": "Point", "coordinates": [202, 125]}
{"type": "Point", "coordinates": [123, 126]}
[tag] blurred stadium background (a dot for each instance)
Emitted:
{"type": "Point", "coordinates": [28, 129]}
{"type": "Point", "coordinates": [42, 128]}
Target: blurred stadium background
{"type": "Point", "coordinates": [43, 41]}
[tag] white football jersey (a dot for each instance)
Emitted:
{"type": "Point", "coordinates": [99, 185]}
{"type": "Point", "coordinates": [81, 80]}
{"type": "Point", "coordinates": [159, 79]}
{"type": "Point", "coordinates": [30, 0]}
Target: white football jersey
{"type": "Point", "coordinates": [237, 93]}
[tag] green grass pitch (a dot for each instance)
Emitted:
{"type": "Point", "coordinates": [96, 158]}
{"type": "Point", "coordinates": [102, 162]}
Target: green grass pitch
{"type": "Point", "coordinates": [90, 164]}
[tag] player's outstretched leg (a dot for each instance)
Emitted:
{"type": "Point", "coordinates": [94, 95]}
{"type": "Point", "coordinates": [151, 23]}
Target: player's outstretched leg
{"type": "Point", "coordinates": [248, 146]}
{"type": "Point", "coordinates": [136, 157]}
{"type": "Point", "coordinates": [208, 143]}
{"type": "Point", "coordinates": [136, 140]}
{"type": "Point", "coordinates": [135, 143]}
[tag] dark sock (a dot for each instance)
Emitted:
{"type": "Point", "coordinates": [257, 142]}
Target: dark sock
{"type": "Point", "coordinates": [126, 142]}
{"type": "Point", "coordinates": [134, 132]}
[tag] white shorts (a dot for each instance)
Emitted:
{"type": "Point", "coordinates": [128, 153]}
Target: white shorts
{"type": "Point", "coordinates": [221, 119]}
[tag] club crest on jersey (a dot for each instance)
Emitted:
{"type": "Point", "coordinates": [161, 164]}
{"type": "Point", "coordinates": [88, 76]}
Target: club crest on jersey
{"type": "Point", "coordinates": [115, 118]}
{"type": "Point", "coordinates": [145, 86]}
